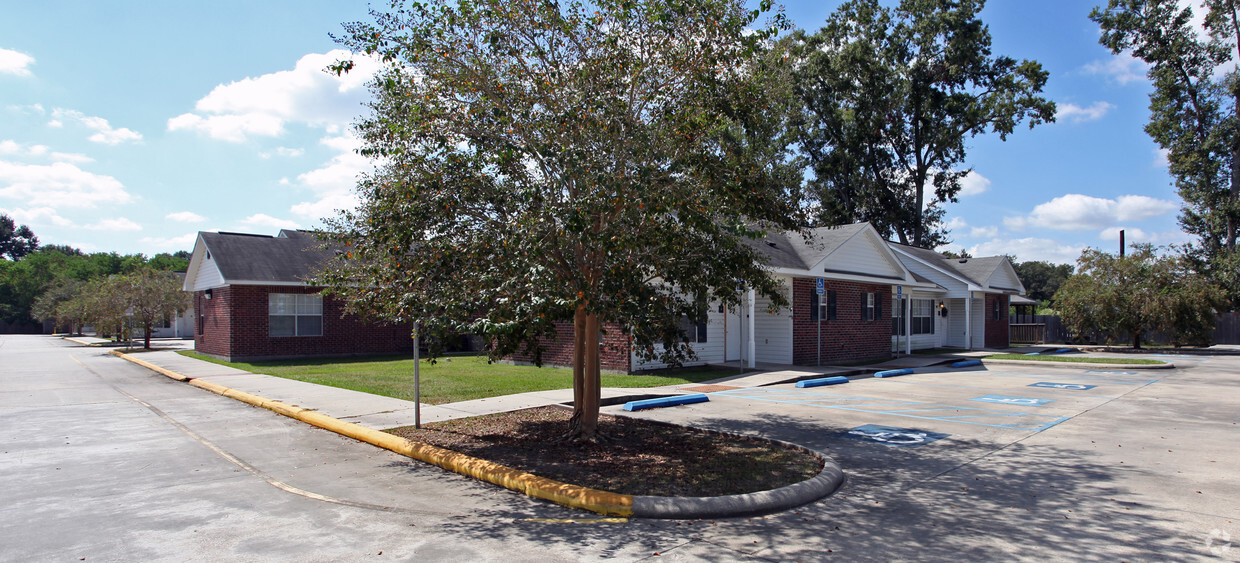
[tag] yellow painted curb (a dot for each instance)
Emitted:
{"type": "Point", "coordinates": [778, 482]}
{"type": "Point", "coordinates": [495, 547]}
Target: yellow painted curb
{"type": "Point", "coordinates": [149, 365]}
{"type": "Point", "coordinates": [573, 496]}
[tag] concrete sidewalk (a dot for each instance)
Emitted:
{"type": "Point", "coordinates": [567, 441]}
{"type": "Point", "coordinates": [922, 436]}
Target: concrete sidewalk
{"type": "Point", "coordinates": [372, 411]}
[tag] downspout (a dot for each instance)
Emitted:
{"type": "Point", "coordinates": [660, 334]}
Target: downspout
{"type": "Point", "coordinates": [968, 322]}
{"type": "Point", "coordinates": [752, 362]}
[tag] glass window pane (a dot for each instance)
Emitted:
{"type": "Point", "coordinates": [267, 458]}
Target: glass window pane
{"type": "Point", "coordinates": [281, 325]}
{"type": "Point", "coordinates": [309, 304]}
{"type": "Point", "coordinates": [309, 326]}
{"type": "Point", "coordinates": [281, 304]}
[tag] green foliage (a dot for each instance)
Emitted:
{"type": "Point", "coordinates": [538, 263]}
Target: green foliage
{"type": "Point", "coordinates": [890, 97]}
{"type": "Point", "coordinates": [15, 241]}
{"type": "Point", "coordinates": [1041, 279]}
{"type": "Point", "coordinates": [548, 161]}
{"type": "Point", "coordinates": [1192, 115]}
{"type": "Point", "coordinates": [23, 281]}
{"type": "Point", "coordinates": [1111, 297]}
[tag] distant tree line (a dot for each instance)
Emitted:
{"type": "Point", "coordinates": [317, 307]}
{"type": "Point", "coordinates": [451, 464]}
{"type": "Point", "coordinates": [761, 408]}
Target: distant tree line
{"type": "Point", "coordinates": [73, 288]}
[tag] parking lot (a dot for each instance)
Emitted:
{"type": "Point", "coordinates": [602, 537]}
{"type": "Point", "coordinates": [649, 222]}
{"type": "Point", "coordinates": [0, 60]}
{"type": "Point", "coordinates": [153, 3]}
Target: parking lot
{"type": "Point", "coordinates": [1015, 461]}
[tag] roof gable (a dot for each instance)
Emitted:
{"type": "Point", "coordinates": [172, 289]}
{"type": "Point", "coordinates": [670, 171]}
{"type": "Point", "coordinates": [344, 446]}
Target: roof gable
{"type": "Point", "coordinates": [988, 273]}
{"type": "Point", "coordinates": [290, 258]}
{"type": "Point", "coordinates": [854, 250]}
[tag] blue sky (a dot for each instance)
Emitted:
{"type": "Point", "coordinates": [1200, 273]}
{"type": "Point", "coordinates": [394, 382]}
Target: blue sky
{"type": "Point", "coordinates": [131, 126]}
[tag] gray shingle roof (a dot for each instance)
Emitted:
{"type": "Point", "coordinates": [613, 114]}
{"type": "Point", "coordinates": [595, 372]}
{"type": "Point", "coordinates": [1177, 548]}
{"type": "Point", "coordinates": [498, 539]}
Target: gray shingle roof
{"type": "Point", "coordinates": [293, 256]}
{"type": "Point", "coordinates": [790, 249]}
{"type": "Point", "coordinates": [976, 270]}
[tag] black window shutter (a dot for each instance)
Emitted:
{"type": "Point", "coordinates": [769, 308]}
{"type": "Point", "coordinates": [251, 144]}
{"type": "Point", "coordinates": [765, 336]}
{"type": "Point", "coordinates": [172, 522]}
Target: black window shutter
{"type": "Point", "coordinates": [813, 305]}
{"type": "Point", "coordinates": [831, 305]}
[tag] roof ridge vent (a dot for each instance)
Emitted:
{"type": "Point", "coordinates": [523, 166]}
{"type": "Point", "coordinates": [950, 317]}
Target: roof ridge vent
{"type": "Point", "coordinates": [963, 260]}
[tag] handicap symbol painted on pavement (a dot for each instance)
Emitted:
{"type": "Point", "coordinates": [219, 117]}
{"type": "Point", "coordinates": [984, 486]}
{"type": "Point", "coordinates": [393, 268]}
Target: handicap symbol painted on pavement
{"type": "Point", "coordinates": [904, 437]}
{"type": "Point", "coordinates": [1006, 400]}
{"type": "Point", "coordinates": [1067, 386]}
{"type": "Point", "coordinates": [1104, 372]}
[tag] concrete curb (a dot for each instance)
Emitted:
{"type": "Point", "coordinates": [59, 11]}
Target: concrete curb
{"type": "Point", "coordinates": [1079, 365]}
{"type": "Point", "coordinates": [573, 496]}
{"type": "Point", "coordinates": [82, 342]}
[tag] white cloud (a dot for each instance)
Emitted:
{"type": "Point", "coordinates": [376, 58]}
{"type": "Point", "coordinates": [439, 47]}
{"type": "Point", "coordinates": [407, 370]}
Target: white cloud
{"type": "Point", "coordinates": [983, 232]}
{"type": "Point", "coordinates": [232, 128]}
{"type": "Point", "coordinates": [15, 62]}
{"type": "Point", "coordinates": [955, 224]}
{"type": "Point", "coordinates": [283, 151]}
{"type": "Point", "coordinates": [263, 220]}
{"type": "Point", "coordinates": [1082, 212]}
{"type": "Point", "coordinates": [1028, 249]}
{"type": "Point", "coordinates": [1123, 68]}
{"type": "Point", "coordinates": [974, 184]}
{"type": "Point", "coordinates": [960, 227]}
{"type": "Point", "coordinates": [32, 109]}
{"type": "Point", "coordinates": [1162, 158]}
{"type": "Point", "coordinates": [104, 132]}
{"type": "Point", "coordinates": [1078, 114]}
{"type": "Point", "coordinates": [10, 147]}
{"type": "Point", "coordinates": [333, 183]}
{"type": "Point", "coordinates": [260, 106]}
{"type": "Point", "coordinates": [37, 216]}
{"type": "Point", "coordinates": [1133, 235]}
{"type": "Point", "coordinates": [185, 217]}
{"type": "Point", "coordinates": [59, 184]}
{"type": "Point", "coordinates": [117, 224]}
{"type": "Point", "coordinates": [182, 242]}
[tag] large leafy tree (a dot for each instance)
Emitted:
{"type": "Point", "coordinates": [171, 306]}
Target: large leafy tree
{"type": "Point", "coordinates": [16, 241]}
{"type": "Point", "coordinates": [1041, 279]}
{"type": "Point", "coordinates": [1192, 114]}
{"type": "Point", "coordinates": [545, 162]}
{"type": "Point", "coordinates": [1141, 293]}
{"type": "Point", "coordinates": [891, 95]}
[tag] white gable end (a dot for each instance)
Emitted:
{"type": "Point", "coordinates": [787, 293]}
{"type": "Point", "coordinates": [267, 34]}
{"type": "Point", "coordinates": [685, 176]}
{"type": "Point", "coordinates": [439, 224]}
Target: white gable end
{"type": "Point", "coordinates": [203, 273]}
{"type": "Point", "coordinates": [1005, 279]}
{"type": "Point", "coordinates": [865, 254]}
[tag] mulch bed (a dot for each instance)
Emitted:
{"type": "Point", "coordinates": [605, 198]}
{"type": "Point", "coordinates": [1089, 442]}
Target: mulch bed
{"type": "Point", "coordinates": [639, 457]}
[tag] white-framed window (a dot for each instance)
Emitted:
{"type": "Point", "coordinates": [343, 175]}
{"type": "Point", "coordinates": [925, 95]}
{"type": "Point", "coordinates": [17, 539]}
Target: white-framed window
{"type": "Point", "coordinates": [294, 314]}
{"type": "Point", "coordinates": [923, 316]}
{"type": "Point", "coordinates": [870, 309]}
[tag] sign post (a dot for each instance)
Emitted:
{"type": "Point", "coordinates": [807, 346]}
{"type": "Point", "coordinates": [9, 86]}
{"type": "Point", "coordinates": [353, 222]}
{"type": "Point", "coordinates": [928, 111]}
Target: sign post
{"type": "Point", "coordinates": [820, 287]}
{"type": "Point", "coordinates": [417, 383]}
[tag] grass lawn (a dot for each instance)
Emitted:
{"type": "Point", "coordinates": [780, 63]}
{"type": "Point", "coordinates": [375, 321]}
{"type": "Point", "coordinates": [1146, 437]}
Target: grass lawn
{"type": "Point", "coordinates": [451, 379]}
{"type": "Point", "coordinates": [1073, 359]}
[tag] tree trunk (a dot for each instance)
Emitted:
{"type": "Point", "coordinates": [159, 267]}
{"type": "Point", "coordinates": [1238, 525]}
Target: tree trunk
{"type": "Point", "coordinates": [146, 337]}
{"type": "Point", "coordinates": [587, 383]}
{"type": "Point", "coordinates": [1136, 339]}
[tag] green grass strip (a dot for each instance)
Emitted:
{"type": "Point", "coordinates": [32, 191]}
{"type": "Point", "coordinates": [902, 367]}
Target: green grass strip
{"type": "Point", "coordinates": [1073, 359]}
{"type": "Point", "coordinates": [449, 379]}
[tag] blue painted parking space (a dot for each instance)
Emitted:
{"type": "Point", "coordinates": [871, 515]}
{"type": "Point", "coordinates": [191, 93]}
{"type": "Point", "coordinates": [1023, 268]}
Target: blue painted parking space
{"type": "Point", "coordinates": [977, 416]}
{"type": "Point", "coordinates": [1064, 386]}
{"type": "Point", "coordinates": [1009, 400]}
{"type": "Point", "coordinates": [891, 436]}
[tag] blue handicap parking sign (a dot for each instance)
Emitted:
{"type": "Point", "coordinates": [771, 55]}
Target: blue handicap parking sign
{"type": "Point", "coordinates": [904, 437]}
{"type": "Point", "coordinates": [1065, 386]}
{"type": "Point", "coordinates": [1021, 401]}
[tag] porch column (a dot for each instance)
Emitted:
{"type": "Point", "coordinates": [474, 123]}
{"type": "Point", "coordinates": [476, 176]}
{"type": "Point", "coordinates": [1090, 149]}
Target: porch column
{"type": "Point", "coordinates": [968, 322]}
{"type": "Point", "coordinates": [907, 305]}
{"type": "Point", "coordinates": [749, 323]}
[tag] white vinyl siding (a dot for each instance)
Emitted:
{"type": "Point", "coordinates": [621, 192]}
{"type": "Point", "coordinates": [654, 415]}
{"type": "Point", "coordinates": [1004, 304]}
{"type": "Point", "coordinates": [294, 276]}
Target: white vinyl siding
{"type": "Point", "coordinates": [709, 352]}
{"type": "Point", "coordinates": [772, 332]}
{"type": "Point", "coordinates": [206, 275]}
{"type": "Point", "coordinates": [863, 255]}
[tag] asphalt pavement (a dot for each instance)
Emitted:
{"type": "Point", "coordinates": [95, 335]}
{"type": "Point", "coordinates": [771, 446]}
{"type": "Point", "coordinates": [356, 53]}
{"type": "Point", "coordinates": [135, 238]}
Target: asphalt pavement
{"type": "Point", "coordinates": [105, 460]}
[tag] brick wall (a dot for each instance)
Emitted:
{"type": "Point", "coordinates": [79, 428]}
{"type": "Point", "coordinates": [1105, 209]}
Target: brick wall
{"type": "Point", "coordinates": [235, 327]}
{"type": "Point", "coordinates": [996, 330]}
{"type": "Point", "coordinates": [847, 338]}
{"type": "Point", "coordinates": [614, 353]}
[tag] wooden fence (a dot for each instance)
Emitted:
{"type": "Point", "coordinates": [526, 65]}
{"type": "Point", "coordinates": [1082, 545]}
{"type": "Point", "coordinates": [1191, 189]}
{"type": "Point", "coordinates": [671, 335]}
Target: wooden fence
{"type": "Point", "coordinates": [1042, 329]}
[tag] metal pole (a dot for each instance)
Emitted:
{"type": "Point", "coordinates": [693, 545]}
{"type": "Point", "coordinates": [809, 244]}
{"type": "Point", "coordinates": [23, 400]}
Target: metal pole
{"type": "Point", "coordinates": [417, 384]}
